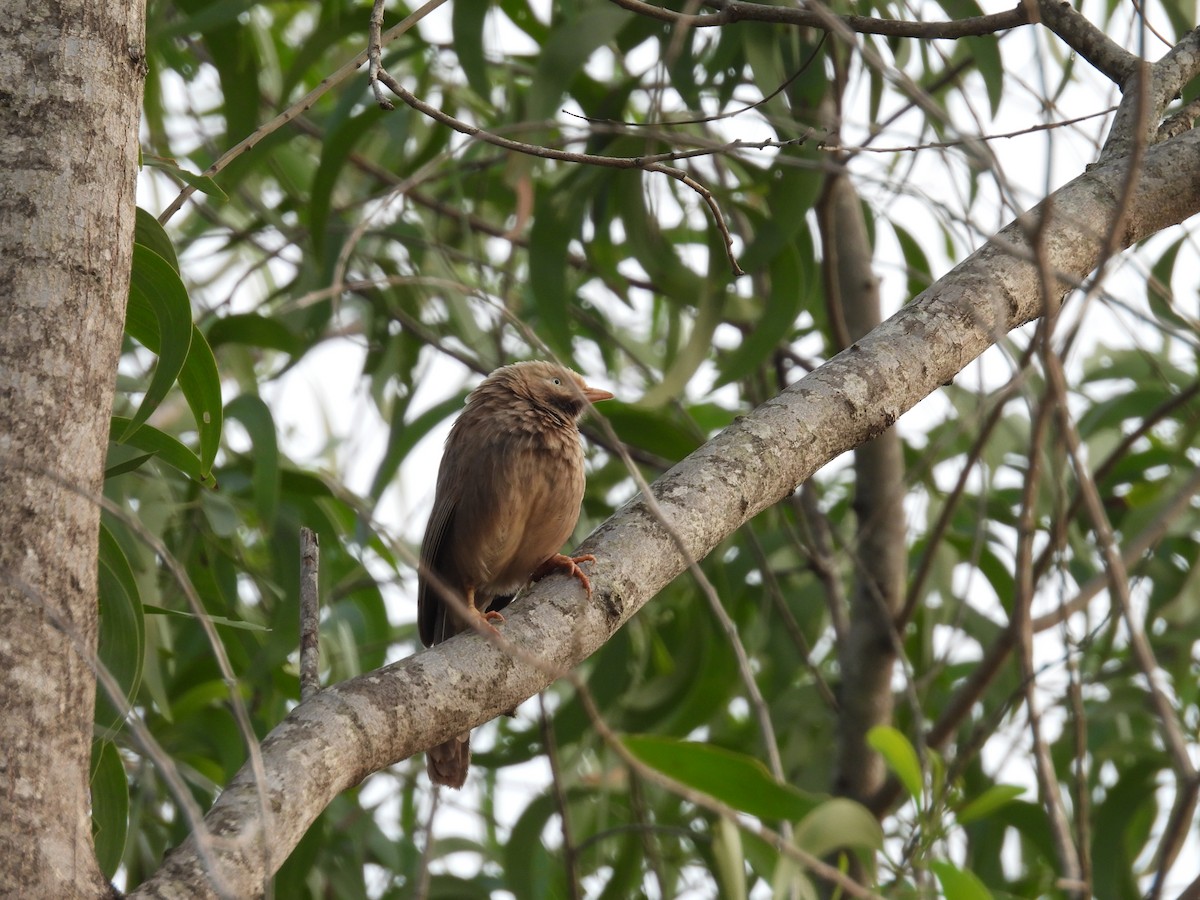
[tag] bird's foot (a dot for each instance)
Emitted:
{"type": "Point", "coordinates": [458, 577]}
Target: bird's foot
{"type": "Point", "coordinates": [487, 618]}
{"type": "Point", "coordinates": [570, 564]}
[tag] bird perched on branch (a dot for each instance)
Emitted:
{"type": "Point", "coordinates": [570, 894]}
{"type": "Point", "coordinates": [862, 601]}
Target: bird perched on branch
{"type": "Point", "coordinates": [508, 496]}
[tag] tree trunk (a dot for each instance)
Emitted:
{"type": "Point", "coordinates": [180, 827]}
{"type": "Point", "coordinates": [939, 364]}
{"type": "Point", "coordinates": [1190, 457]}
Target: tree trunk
{"type": "Point", "coordinates": [70, 91]}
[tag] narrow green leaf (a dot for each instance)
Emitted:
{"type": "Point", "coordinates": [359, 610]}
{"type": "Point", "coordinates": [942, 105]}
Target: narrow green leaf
{"type": "Point", "coordinates": [1159, 296]}
{"type": "Point", "coordinates": [900, 757]}
{"type": "Point", "coordinates": [555, 219]}
{"type": "Point", "coordinates": [148, 233]}
{"type": "Point", "coordinates": [335, 150]}
{"type": "Point", "coordinates": [256, 418]}
{"type": "Point", "coordinates": [466, 23]}
{"type": "Point", "coordinates": [121, 644]}
{"type": "Point", "coordinates": [836, 823]}
{"type": "Point", "coordinates": [404, 436]}
{"type": "Point", "coordinates": [565, 52]}
{"type": "Point", "coordinates": [253, 330]}
{"type": "Point", "coordinates": [201, 385]}
{"type": "Point", "coordinates": [988, 802]}
{"type": "Point", "coordinates": [789, 286]}
{"type": "Point", "coordinates": [958, 884]}
{"type": "Point", "coordinates": [162, 446]}
{"type": "Point", "coordinates": [741, 781]}
{"type": "Point", "coordinates": [159, 316]}
{"type": "Point", "coordinates": [731, 862]}
{"type": "Point", "coordinates": [112, 470]}
{"type": "Point", "coordinates": [202, 183]}
{"type": "Point", "coordinates": [110, 806]}
{"type": "Point", "coordinates": [216, 620]}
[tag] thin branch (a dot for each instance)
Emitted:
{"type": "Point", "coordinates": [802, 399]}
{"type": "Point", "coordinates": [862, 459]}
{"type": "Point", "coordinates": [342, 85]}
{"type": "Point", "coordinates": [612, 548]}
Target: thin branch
{"type": "Point", "coordinates": [1143, 103]}
{"type": "Point", "coordinates": [424, 873]}
{"type": "Point", "coordinates": [733, 11]}
{"type": "Point", "coordinates": [1183, 120]}
{"type": "Point", "coordinates": [820, 556]}
{"type": "Point", "coordinates": [966, 141]}
{"type": "Point", "coordinates": [1176, 833]}
{"type": "Point", "coordinates": [1082, 794]}
{"type": "Point", "coordinates": [310, 613]}
{"type": "Point", "coordinates": [1078, 33]}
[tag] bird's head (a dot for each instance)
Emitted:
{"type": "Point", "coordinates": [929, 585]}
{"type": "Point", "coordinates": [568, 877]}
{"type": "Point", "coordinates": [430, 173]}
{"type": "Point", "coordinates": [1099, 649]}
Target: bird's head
{"type": "Point", "coordinates": [548, 386]}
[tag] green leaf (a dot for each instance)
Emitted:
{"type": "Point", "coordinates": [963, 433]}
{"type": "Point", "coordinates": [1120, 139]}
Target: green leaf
{"type": "Point", "coordinates": [161, 446]}
{"type": "Point", "coordinates": [255, 416]}
{"type": "Point", "coordinates": [740, 781]}
{"type": "Point", "coordinates": [201, 385]}
{"type": "Point", "coordinates": [985, 52]}
{"type": "Point", "coordinates": [565, 52]}
{"type": "Point", "coordinates": [731, 862]}
{"type": "Point", "coordinates": [789, 290]}
{"type": "Point", "coordinates": [110, 806]}
{"type": "Point", "coordinates": [466, 22]}
{"type": "Point", "coordinates": [1159, 296]}
{"type": "Point", "coordinates": [838, 822]}
{"type": "Point", "coordinates": [988, 802]}
{"type": "Point", "coordinates": [159, 316]}
{"type": "Point", "coordinates": [216, 620]}
{"type": "Point", "coordinates": [148, 233]}
{"type": "Point", "coordinates": [335, 150]}
{"type": "Point", "coordinates": [958, 884]}
{"type": "Point", "coordinates": [202, 183]}
{"type": "Point", "coordinates": [556, 217]}
{"type": "Point", "coordinates": [132, 464]}
{"type": "Point", "coordinates": [900, 757]}
{"type": "Point", "coordinates": [254, 330]}
{"type": "Point", "coordinates": [403, 436]}
{"type": "Point", "coordinates": [121, 645]}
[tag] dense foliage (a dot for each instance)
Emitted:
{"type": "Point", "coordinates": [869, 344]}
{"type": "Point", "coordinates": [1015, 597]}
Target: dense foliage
{"type": "Point", "coordinates": [387, 246]}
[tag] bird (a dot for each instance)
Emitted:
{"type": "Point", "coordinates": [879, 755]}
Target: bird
{"type": "Point", "coordinates": [508, 495]}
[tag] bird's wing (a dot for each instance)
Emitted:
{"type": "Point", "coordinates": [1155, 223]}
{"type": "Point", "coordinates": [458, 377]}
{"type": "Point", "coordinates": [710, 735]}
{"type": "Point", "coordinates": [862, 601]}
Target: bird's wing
{"type": "Point", "coordinates": [432, 617]}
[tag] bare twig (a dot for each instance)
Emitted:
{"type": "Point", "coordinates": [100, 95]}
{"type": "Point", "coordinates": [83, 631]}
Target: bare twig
{"type": "Point", "coordinates": [310, 613]}
{"type": "Point", "coordinates": [945, 145]}
{"type": "Point", "coordinates": [732, 11]}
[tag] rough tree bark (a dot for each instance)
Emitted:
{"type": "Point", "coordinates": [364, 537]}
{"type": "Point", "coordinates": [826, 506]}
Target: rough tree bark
{"type": "Point", "coordinates": [350, 730]}
{"type": "Point", "coordinates": [68, 156]}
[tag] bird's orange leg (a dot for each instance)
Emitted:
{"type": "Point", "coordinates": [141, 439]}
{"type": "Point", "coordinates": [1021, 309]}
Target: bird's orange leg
{"type": "Point", "coordinates": [485, 618]}
{"type": "Point", "coordinates": [568, 563]}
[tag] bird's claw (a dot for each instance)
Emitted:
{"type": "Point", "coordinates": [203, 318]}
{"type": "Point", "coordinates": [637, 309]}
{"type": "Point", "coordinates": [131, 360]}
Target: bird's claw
{"type": "Point", "coordinates": [569, 564]}
{"type": "Point", "coordinates": [487, 618]}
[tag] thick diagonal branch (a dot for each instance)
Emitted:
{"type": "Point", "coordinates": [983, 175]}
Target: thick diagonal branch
{"type": "Point", "coordinates": [360, 726]}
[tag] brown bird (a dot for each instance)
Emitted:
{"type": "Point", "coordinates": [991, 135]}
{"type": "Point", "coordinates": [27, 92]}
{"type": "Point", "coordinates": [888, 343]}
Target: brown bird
{"type": "Point", "coordinates": [508, 496]}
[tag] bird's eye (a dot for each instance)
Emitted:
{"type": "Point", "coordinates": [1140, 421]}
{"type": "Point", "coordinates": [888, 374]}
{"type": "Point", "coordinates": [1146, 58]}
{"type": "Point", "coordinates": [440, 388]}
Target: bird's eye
{"type": "Point", "coordinates": [558, 382]}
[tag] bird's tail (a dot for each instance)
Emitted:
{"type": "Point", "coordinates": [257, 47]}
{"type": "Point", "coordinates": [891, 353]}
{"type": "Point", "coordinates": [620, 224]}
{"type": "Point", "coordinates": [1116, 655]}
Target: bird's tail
{"type": "Point", "coordinates": [448, 763]}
